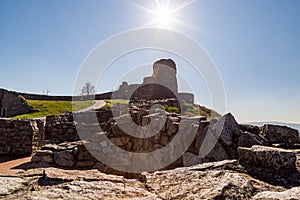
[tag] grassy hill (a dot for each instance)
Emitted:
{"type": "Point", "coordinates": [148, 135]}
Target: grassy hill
{"type": "Point", "coordinates": [44, 108]}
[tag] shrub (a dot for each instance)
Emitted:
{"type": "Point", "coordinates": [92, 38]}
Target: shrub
{"type": "Point", "coordinates": [170, 108]}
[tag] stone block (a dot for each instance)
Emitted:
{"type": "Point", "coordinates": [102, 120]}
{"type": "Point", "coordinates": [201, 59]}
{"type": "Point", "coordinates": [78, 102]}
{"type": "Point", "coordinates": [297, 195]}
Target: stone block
{"type": "Point", "coordinates": [45, 156]}
{"type": "Point", "coordinates": [64, 158]}
{"type": "Point", "coordinates": [268, 158]}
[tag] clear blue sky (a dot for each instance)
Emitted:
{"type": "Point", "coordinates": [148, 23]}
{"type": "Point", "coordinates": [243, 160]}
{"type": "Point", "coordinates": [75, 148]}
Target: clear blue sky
{"type": "Point", "coordinates": [255, 45]}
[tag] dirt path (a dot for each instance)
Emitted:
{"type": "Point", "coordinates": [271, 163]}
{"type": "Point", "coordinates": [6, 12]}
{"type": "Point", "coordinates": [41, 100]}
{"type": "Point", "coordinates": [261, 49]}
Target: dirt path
{"type": "Point", "coordinates": [98, 104]}
{"type": "Point", "coordinates": [9, 165]}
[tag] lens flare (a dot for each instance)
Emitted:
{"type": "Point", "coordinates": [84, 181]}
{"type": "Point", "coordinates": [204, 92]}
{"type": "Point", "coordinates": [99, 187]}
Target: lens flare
{"type": "Point", "coordinates": [164, 15]}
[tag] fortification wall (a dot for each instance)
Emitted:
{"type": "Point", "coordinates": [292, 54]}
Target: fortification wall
{"type": "Point", "coordinates": [45, 97]}
{"type": "Point", "coordinates": [102, 96]}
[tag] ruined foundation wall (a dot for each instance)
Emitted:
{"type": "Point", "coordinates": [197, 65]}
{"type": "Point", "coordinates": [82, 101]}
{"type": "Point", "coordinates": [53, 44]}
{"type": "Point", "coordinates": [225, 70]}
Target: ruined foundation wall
{"type": "Point", "coordinates": [20, 137]}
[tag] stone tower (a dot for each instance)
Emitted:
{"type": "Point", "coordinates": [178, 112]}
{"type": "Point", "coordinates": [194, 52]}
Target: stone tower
{"type": "Point", "coordinates": [164, 73]}
{"type": "Point", "coordinates": [162, 84]}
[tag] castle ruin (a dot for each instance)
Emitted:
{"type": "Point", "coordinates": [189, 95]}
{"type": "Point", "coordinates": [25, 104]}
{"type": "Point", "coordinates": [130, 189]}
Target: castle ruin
{"type": "Point", "coordinates": [161, 85]}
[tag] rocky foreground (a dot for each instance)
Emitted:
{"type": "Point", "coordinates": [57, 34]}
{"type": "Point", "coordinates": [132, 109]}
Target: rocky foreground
{"type": "Point", "coordinates": [215, 180]}
{"type": "Point", "coordinates": [246, 162]}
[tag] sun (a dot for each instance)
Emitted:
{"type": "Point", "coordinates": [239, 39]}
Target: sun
{"type": "Point", "coordinates": [164, 15]}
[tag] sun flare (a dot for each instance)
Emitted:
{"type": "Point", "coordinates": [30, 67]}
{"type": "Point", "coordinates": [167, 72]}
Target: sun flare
{"type": "Point", "coordinates": [164, 15]}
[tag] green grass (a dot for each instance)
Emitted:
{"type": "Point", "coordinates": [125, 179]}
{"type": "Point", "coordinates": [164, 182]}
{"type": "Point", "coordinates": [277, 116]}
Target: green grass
{"type": "Point", "coordinates": [46, 108]}
{"type": "Point", "coordinates": [197, 110]}
{"type": "Point", "coordinates": [189, 109]}
{"type": "Point", "coordinates": [170, 108]}
{"type": "Point", "coordinates": [112, 102]}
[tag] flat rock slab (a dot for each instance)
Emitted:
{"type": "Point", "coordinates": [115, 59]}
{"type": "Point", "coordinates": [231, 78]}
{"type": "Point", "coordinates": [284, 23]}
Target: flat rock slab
{"type": "Point", "coordinates": [53, 183]}
{"type": "Point", "coordinates": [89, 190]}
{"type": "Point", "coordinates": [10, 184]}
{"type": "Point", "coordinates": [215, 180]}
{"type": "Point", "coordinates": [205, 181]}
{"type": "Point", "coordinates": [293, 193]}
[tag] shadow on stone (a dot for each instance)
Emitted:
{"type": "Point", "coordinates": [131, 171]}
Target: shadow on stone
{"type": "Point", "coordinates": [24, 166]}
{"type": "Point", "coordinates": [46, 181]}
{"type": "Point", "coordinates": [287, 180]}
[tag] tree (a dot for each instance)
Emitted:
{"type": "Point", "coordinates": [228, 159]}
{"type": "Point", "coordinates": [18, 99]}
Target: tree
{"type": "Point", "coordinates": [88, 89]}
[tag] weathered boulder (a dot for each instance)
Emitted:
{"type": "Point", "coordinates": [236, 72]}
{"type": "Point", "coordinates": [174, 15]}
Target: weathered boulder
{"type": "Point", "coordinates": [219, 140]}
{"type": "Point", "coordinates": [268, 158]}
{"type": "Point", "coordinates": [218, 153]}
{"type": "Point", "coordinates": [248, 140]}
{"type": "Point", "coordinates": [250, 128]}
{"type": "Point", "coordinates": [229, 131]}
{"type": "Point", "coordinates": [280, 134]}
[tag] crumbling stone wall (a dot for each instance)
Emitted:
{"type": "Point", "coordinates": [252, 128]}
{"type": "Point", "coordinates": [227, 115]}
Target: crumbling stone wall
{"type": "Point", "coordinates": [12, 104]}
{"type": "Point", "coordinates": [20, 137]}
{"type": "Point", "coordinates": [229, 135]}
{"type": "Point", "coordinates": [61, 128]}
